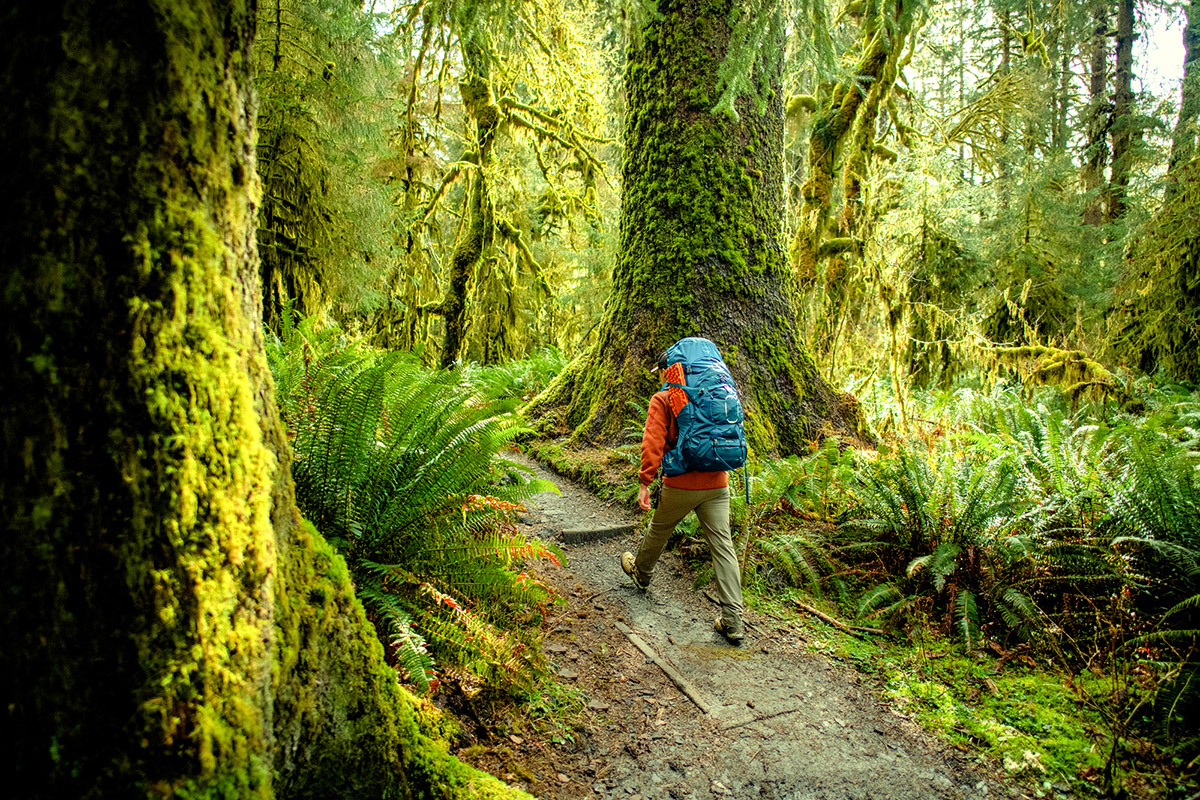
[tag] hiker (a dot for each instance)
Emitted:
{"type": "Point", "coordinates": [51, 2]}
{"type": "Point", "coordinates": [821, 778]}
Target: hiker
{"type": "Point", "coordinates": [685, 488]}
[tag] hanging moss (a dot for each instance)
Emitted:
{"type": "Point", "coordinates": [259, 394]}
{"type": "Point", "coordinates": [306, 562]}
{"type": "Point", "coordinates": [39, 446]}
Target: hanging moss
{"type": "Point", "coordinates": [1040, 311]}
{"type": "Point", "coordinates": [1071, 370]}
{"type": "Point", "coordinates": [940, 275]}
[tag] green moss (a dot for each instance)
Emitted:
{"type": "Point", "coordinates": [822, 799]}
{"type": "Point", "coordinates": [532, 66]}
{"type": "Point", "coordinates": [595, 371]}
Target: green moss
{"type": "Point", "coordinates": [171, 628]}
{"type": "Point", "coordinates": [607, 473]}
{"type": "Point", "coordinates": [1029, 722]}
{"type": "Point", "coordinates": [345, 726]}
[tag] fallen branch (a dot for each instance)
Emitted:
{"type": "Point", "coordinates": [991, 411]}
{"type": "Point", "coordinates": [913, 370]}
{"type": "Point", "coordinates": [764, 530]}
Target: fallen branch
{"type": "Point", "coordinates": [594, 595]}
{"type": "Point", "coordinates": [670, 671]}
{"type": "Point", "coordinates": [759, 718]}
{"type": "Point", "coordinates": [853, 630]}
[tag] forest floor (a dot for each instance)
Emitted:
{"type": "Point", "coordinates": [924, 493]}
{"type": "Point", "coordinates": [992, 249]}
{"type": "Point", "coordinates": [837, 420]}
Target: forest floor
{"type": "Point", "coordinates": [778, 720]}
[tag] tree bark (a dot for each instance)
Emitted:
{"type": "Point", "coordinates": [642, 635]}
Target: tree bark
{"type": "Point", "coordinates": [700, 254]}
{"type": "Point", "coordinates": [1060, 57]}
{"type": "Point", "coordinates": [1004, 157]}
{"type": "Point", "coordinates": [1098, 117]}
{"type": "Point", "coordinates": [477, 238]}
{"type": "Point", "coordinates": [1187, 127]}
{"type": "Point", "coordinates": [1123, 125]}
{"type": "Point", "coordinates": [171, 627]}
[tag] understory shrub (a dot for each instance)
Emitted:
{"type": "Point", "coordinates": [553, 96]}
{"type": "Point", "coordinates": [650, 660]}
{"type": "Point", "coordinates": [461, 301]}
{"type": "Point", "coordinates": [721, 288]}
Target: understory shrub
{"type": "Point", "coordinates": [1012, 521]}
{"type": "Point", "coordinates": [398, 467]}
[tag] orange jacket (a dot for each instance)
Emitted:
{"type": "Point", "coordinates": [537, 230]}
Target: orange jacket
{"type": "Point", "coordinates": [661, 433]}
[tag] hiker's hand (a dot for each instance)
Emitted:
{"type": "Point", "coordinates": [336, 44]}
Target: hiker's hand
{"type": "Point", "coordinates": [644, 498]}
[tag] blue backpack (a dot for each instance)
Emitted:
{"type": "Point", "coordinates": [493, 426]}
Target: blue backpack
{"type": "Point", "coordinates": [711, 437]}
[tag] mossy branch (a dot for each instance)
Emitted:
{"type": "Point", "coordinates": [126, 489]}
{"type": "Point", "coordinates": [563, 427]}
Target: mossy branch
{"type": "Point", "coordinates": [515, 108]}
{"type": "Point", "coordinates": [884, 152]}
{"type": "Point", "coordinates": [1071, 370]}
{"type": "Point", "coordinates": [840, 244]}
{"type": "Point", "coordinates": [468, 160]}
{"type": "Point", "coordinates": [513, 235]}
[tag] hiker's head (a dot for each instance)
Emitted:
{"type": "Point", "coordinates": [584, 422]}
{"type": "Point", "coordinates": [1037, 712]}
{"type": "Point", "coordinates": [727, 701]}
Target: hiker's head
{"type": "Point", "coordinates": [661, 362]}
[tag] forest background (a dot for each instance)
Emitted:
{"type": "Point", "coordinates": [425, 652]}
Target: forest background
{"type": "Point", "coordinates": [988, 222]}
{"type": "Point", "coordinates": [950, 251]}
{"type": "Point", "coordinates": [999, 199]}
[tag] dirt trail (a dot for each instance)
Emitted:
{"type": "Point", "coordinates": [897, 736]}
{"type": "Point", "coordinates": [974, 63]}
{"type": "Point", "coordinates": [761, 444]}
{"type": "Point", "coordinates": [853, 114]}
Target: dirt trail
{"type": "Point", "coordinates": [782, 723]}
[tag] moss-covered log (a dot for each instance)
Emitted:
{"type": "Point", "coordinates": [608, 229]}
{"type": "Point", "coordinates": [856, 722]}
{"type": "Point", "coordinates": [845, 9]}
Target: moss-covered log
{"type": "Point", "coordinates": [699, 249]}
{"type": "Point", "coordinates": [170, 626]}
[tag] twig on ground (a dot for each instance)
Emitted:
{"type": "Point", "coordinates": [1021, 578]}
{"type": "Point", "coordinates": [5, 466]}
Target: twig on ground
{"type": "Point", "coordinates": [760, 718]}
{"type": "Point", "coordinates": [596, 594]}
{"type": "Point", "coordinates": [853, 630]}
{"type": "Point", "coordinates": [670, 671]}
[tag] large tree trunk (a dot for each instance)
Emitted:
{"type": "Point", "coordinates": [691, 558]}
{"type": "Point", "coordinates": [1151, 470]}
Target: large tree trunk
{"type": "Point", "coordinates": [1124, 125]}
{"type": "Point", "coordinates": [700, 254]}
{"type": "Point", "coordinates": [1187, 127]}
{"type": "Point", "coordinates": [170, 626]}
{"type": "Point", "coordinates": [1098, 116]}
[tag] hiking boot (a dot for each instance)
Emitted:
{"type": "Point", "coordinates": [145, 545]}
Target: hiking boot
{"type": "Point", "coordinates": [629, 565]}
{"type": "Point", "coordinates": [734, 638]}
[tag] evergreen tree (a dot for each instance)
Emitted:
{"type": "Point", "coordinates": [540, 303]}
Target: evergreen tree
{"type": "Point", "coordinates": [1125, 126]}
{"type": "Point", "coordinates": [1099, 117]}
{"type": "Point", "coordinates": [701, 221]}
{"type": "Point", "coordinates": [1187, 125]}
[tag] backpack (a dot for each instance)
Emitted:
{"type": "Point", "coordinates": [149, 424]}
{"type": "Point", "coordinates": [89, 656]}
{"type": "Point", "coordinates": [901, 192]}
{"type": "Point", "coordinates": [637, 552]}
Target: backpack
{"type": "Point", "coordinates": [707, 410]}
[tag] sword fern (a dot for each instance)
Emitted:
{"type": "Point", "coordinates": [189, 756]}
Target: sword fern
{"type": "Point", "coordinates": [397, 466]}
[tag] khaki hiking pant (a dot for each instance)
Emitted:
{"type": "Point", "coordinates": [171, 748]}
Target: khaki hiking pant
{"type": "Point", "coordinates": [712, 509]}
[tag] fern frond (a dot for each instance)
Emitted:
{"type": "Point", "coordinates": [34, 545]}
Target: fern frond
{"type": "Point", "coordinates": [406, 645]}
{"type": "Point", "coordinates": [800, 557]}
{"type": "Point", "coordinates": [883, 600]}
{"type": "Point", "coordinates": [397, 465]}
{"type": "Point", "coordinates": [967, 618]}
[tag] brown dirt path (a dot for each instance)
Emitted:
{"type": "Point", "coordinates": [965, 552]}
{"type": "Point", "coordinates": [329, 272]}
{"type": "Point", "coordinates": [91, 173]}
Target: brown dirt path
{"type": "Point", "coordinates": [782, 724]}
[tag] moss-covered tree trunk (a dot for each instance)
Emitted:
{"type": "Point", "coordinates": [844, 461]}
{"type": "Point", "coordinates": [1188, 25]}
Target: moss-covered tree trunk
{"type": "Point", "coordinates": [1187, 126]}
{"type": "Point", "coordinates": [1124, 126]}
{"type": "Point", "coordinates": [699, 246]}
{"type": "Point", "coordinates": [843, 137]}
{"type": "Point", "coordinates": [1098, 117]}
{"type": "Point", "coordinates": [479, 230]}
{"type": "Point", "coordinates": [832, 126]}
{"type": "Point", "coordinates": [170, 626]}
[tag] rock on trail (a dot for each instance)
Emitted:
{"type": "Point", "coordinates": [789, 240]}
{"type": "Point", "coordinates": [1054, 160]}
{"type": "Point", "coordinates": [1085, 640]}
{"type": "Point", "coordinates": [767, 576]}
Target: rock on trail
{"type": "Point", "coordinates": [781, 722]}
